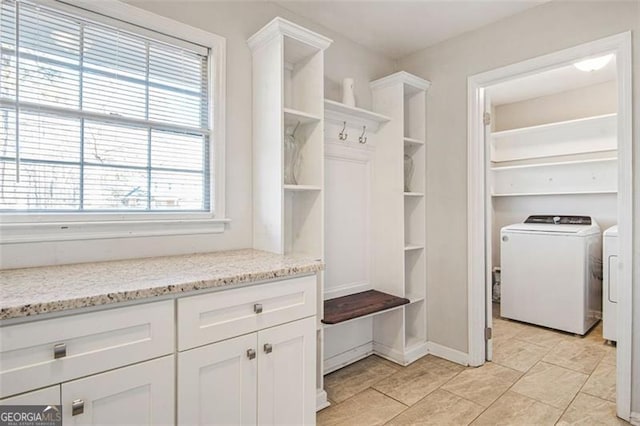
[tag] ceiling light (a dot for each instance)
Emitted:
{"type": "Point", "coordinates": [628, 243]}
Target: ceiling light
{"type": "Point", "coordinates": [593, 64]}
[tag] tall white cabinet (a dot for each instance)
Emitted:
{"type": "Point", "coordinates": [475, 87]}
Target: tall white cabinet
{"type": "Point", "coordinates": [399, 215]}
{"type": "Point", "coordinates": [288, 93]}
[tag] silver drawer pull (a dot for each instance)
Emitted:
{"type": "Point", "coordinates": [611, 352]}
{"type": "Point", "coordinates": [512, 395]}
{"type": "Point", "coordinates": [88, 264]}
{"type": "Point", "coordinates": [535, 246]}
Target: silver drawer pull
{"type": "Point", "coordinates": [77, 407]}
{"type": "Point", "coordinates": [251, 353]}
{"type": "Point", "coordinates": [257, 308]}
{"type": "Point", "coordinates": [268, 348]}
{"type": "Point", "coordinates": [59, 350]}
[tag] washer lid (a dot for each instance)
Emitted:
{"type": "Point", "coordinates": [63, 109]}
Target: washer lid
{"type": "Point", "coordinates": [575, 225]}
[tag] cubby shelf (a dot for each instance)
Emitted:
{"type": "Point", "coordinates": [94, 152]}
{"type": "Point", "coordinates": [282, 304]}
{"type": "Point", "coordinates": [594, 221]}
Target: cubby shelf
{"type": "Point", "coordinates": [412, 247]}
{"type": "Point", "coordinates": [413, 194]}
{"type": "Point", "coordinates": [302, 188]}
{"type": "Point", "coordinates": [413, 141]}
{"type": "Point", "coordinates": [292, 117]}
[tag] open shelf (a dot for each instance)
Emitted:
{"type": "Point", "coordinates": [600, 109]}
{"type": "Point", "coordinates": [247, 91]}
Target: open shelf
{"type": "Point", "coordinates": [528, 194]}
{"type": "Point", "coordinates": [358, 305]}
{"type": "Point", "coordinates": [302, 188]}
{"type": "Point", "coordinates": [293, 117]}
{"type": "Point", "coordinates": [353, 116]}
{"type": "Point", "coordinates": [412, 247]}
{"type": "Point", "coordinates": [413, 141]}
{"type": "Point", "coordinates": [414, 194]}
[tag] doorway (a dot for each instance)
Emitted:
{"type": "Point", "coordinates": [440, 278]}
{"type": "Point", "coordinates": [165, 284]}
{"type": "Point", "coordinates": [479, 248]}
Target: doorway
{"type": "Point", "coordinates": [481, 196]}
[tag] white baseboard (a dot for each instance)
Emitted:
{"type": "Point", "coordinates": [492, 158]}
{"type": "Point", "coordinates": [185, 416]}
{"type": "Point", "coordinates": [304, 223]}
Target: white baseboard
{"type": "Point", "coordinates": [634, 419]}
{"type": "Point", "coordinates": [415, 352]}
{"type": "Point", "coordinates": [447, 353]}
{"type": "Point", "coordinates": [321, 399]}
{"type": "Point", "coordinates": [349, 357]}
{"type": "Point", "coordinates": [389, 353]}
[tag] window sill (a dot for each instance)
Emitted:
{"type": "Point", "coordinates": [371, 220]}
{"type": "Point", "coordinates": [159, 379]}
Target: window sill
{"type": "Point", "coordinates": [15, 233]}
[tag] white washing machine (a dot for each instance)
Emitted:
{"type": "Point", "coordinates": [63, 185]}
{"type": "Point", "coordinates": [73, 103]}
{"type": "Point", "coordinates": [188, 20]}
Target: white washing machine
{"type": "Point", "coordinates": [610, 283]}
{"type": "Point", "coordinates": [551, 269]}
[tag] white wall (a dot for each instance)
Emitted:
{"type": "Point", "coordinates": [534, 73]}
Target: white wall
{"type": "Point", "coordinates": [544, 29]}
{"type": "Point", "coordinates": [236, 21]}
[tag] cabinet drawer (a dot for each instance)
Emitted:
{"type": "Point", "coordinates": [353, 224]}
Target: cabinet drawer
{"type": "Point", "coordinates": [217, 316]}
{"type": "Point", "coordinates": [46, 396]}
{"type": "Point", "coordinates": [40, 353]}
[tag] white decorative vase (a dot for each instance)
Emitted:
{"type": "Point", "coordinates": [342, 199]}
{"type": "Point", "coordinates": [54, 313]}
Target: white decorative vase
{"type": "Point", "coordinates": [348, 96]}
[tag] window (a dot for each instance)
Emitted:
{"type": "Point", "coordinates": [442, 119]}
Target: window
{"type": "Point", "coordinates": [103, 119]}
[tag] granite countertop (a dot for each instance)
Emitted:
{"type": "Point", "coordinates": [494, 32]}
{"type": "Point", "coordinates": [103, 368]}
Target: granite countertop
{"type": "Point", "coordinates": [33, 291]}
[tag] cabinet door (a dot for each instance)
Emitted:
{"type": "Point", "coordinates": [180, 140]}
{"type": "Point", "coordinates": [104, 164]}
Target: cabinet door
{"type": "Point", "coordinates": [46, 396]}
{"type": "Point", "coordinates": [286, 374]}
{"type": "Point", "coordinates": [217, 383]}
{"type": "Point", "coordinates": [141, 394]}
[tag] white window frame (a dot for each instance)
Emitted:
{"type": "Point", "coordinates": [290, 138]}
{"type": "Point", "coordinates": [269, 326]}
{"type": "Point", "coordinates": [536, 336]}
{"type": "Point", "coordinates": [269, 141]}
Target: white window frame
{"type": "Point", "coordinates": [27, 227]}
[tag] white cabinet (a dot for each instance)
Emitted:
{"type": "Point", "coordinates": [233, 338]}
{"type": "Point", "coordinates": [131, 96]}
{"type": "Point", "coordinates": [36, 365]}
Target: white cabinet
{"type": "Point", "coordinates": [217, 383]}
{"type": "Point", "coordinates": [46, 396]}
{"type": "Point", "coordinates": [266, 377]}
{"type": "Point", "coordinates": [141, 394]}
{"type": "Point", "coordinates": [286, 374]}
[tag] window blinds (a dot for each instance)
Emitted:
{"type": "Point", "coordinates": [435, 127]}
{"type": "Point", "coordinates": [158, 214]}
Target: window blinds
{"type": "Point", "coordinates": [94, 118]}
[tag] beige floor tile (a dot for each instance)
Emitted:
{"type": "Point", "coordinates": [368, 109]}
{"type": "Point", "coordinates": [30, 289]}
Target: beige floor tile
{"type": "Point", "coordinates": [366, 408]}
{"type": "Point", "coordinates": [602, 382]}
{"type": "Point", "coordinates": [414, 382]}
{"type": "Point", "coordinates": [439, 408]}
{"type": "Point", "coordinates": [355, 378]}
{"type": "Point", "coordinates": [518, 354]}
{"type": "Point", "coordinates": [576, 354]}
{"type": "Point", "coordinates": [542, 336]}
{"type": "Point", "coordinates": [504, 329]}
{"type": "Point", "coordinates": [515, 409]}
{"type": "Point", "coordinates": [550, 384]}
{"type": "Point", "coordinates": [589, 410]}
{"type": "Point", "coordinates": [609, 355]}
{"type": "Point", "coordinates": [595, 334]}
{"type": "Point", "coordinates": [483, 385]}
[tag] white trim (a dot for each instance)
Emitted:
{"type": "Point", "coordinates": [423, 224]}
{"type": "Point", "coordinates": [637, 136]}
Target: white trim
{"type": "Point", "coordinates": [281, 27]}
{"type": "Point", "coordinates": [343, 359]}
{"type": "Point", "coordinates": [322, 401]}
{"type": "Point", "coordinates": [477, 199]}
{"type": "Point", "coordinates": [634, 419]}
{"type": "Point", "coordinates": [347, 289]}
{"type": "Point", "coordinates": [60, 226]}
{"type": "Point", "coordinates": [339, 113]}
{"type": "Point", "coordinates": [414, 352]}
{"type": "Point", "coordinates": [402, 77]}
{"type": "Point", "coordinates": [447, 353]}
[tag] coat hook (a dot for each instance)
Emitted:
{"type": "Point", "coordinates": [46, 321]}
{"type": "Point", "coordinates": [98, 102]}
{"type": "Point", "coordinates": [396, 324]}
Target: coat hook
{"type": "Point", "coordinates": [363, 138]}
{"type": "Point", "coordinates": [343, 135]}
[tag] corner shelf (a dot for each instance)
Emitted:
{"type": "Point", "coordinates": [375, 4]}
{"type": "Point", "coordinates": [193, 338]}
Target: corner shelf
{"type": "Point", "coordinates": [338, 112]}
{"type": "Point", "coordinates": [358, 305]}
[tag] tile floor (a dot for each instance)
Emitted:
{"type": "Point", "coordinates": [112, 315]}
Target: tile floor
{"type": "Point", "coordinates": [538, 377]}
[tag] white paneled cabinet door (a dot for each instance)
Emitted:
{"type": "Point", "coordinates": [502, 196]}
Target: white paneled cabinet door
{"type": "Point", "coordinates": [217, 383]}
{"type": "Point", "coordinates": [141, 394]}
{"type": "Point", "coordinates": [286, 374]}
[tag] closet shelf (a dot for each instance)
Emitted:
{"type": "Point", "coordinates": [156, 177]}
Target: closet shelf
{"type": "Point", "coordinates": [358, 305]}
{"type": "Point", "coordinates": [412, 247]}
{"type": "Point", "coordinates": [354, 117]}
{"type": "Point", "coordinates": [413, 194]}
{"type": "Point", "coordinates": [293, 117]}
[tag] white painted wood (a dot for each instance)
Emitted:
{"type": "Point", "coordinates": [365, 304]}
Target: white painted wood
{"type": "Point", "coordinates": [340, 113]}
{"type": "Point", "coordinates": [279, 26]}
{"type": "Point", "coordinates": [217, 383]}
{"type": "Point", "coordinates": [292, 117]}
{"type": "Point", "coordinates": [302, 188]}
{"type": "Point", "coordinates": [141, 394]}
{"type": "Point", "coordinates": [593, 134]}
{"type": "Point", "coordinates": [350, 356]}
{"type": "Point", "coordinates": [46, 396]}
{"type": "Point", "coordinates": [212, 317]}
{"type": "Point", "coordinates": [287, 375]}
{"type": "Point", "coordinates": [95, 342]}
{"type": "Point", "coordinates": [619, 44]}
{"type": "Point", "coordinates": [447, 353]}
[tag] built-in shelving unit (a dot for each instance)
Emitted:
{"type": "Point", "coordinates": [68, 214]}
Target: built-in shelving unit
{"type": "Point", "coordinates": [399, 216]}
{"type": "Point", "coordinates": [353, 116]}
{"type": "Point", "coordinates": [358, 305]}
{"type": "Point", "coordinates": [288, 92]}
{"type": "Point", "coordinates": [568, 157]}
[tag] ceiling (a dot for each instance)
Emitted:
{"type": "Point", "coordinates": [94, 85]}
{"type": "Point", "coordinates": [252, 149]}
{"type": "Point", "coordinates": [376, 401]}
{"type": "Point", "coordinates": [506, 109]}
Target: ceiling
{"type": "Point", "coordinates": [549, 82]}
{"type": "Point", "coordinates": [396, 28]}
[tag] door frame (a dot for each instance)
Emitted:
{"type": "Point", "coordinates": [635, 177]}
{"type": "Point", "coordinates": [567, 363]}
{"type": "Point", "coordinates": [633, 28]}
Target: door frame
{"type": "Point", "coordinates": [479, 199]}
